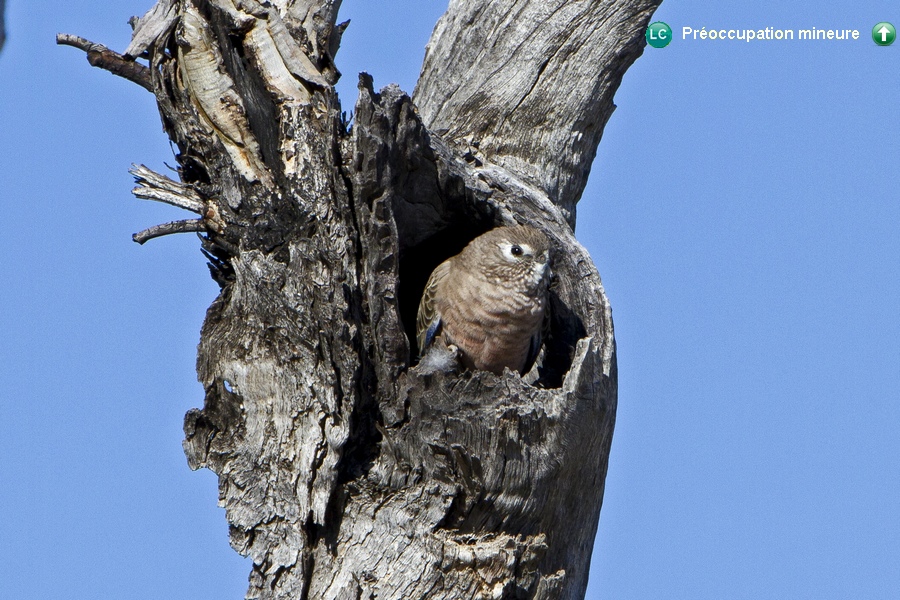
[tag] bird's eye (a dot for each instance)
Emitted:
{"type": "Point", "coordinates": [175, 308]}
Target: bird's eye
{"type": "Point", "coordinates": [516, 250]}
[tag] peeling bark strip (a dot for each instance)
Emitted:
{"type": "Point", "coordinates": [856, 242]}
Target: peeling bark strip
{"type": "Point", "coordinates": [344, 471]}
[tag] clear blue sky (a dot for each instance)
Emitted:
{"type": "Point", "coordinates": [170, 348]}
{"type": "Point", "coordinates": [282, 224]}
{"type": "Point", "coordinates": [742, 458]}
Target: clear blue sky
{"type": "Point", "coordinates": [743, 211]}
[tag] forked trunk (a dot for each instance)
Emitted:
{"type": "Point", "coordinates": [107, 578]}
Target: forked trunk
{"type": "Point", "coordinates": [345, 472]}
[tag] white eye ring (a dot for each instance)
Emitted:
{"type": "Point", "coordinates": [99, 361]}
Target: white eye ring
{"type": "Point", "coordinates": [514, 252]}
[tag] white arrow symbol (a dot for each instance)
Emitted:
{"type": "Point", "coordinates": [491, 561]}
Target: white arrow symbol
{"type": "Point", "coordinates": [884, 31]}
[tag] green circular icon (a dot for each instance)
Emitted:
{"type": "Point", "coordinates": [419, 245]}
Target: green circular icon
{"type": "Point", "coordinates": [884, 34]}
{"type": "Point", "coordinates": [659, 34]}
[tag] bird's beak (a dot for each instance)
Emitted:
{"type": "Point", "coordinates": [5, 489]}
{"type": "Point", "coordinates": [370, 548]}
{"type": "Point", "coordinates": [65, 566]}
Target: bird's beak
{"type": "Point", "coordinates": [542, 272]}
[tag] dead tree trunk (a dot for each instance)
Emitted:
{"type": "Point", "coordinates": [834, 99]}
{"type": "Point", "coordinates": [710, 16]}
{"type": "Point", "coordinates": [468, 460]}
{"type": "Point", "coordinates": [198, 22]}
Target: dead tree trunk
{"type": "Point", "coordinates": [346, 473]}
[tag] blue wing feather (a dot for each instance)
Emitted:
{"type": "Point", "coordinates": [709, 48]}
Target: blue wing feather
{"type": "Point", "coordinates": [434, 328]}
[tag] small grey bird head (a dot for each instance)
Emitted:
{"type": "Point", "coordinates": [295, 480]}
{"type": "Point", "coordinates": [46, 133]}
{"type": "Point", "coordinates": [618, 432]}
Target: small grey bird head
{"type": "Point", "coordinates": [517, 256]}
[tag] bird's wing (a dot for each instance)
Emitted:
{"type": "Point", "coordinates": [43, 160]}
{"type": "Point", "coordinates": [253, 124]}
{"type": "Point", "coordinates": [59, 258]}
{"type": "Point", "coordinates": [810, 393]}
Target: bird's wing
{"type": "Point", "coordinates": [539, 337]}
{"type": "Point", "coordinates": [534, 348]}
{"type": "Point", "coordinates": [428, 321]}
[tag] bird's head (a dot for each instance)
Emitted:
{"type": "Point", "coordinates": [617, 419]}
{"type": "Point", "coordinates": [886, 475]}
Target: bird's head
{"type": "Point", "coordinates": [518, 255]}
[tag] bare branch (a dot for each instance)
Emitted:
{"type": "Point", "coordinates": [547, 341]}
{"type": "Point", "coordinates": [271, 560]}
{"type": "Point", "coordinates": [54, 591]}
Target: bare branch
{"type": "Point", "coordinates": [159, 188]}
{"type": "Point", "coordinates": [100, 56]}
{"type": "Point", "coordinates": [187, 226]}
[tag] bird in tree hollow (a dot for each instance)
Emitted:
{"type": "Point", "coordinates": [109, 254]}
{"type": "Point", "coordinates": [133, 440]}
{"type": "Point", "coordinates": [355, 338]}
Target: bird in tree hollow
{"type": "Point", "coordinates": [488, 302]}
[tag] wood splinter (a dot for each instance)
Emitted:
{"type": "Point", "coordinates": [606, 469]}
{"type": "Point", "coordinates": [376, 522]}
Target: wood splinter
{"type": "Point", "coordinates": [159, 188]}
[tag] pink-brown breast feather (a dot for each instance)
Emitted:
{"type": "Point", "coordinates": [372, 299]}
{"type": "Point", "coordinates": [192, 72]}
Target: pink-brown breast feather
{"type": "Point", "coordinates": [491, 322]}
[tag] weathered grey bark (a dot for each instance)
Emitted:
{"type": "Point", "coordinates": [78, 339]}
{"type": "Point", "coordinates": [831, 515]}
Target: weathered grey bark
{"type": "Point", "coordinates": [345, 473]}
{"type": "Point", "coordinates": [531, 83]}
